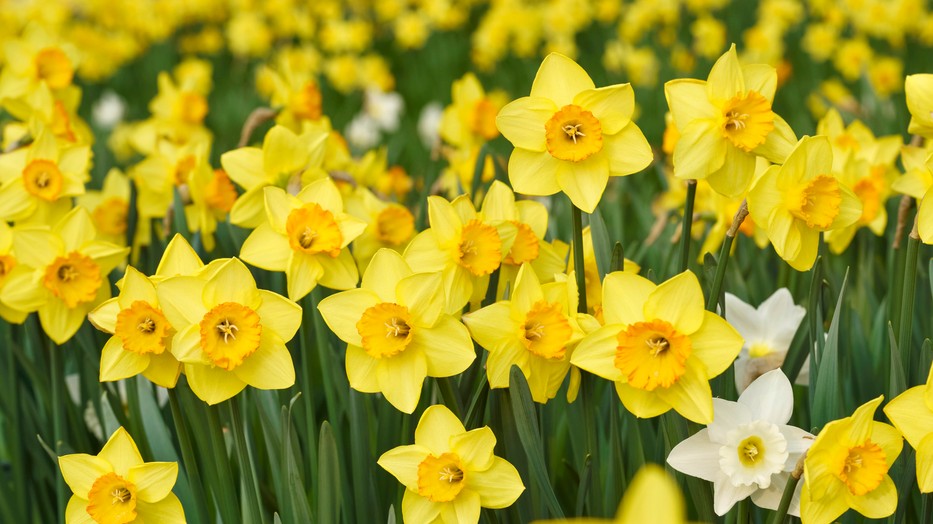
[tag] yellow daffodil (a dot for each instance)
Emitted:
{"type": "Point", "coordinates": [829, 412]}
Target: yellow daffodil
{"type": "Point", "coordinates": [229, 333]}
{"type": "Point", "coordinates": [911, 412]}
{"type": "Point", "coordinates": [652, 496]}
{"type": "Point", "coordinates": [212, 195]}
{"type": "Point", "coordinates": [388, 225]}
{"type": "Point", "coordinates": [535, 329]}
{"type": "Point", "coordinates": [570, 136]}
{"type": "Point", "coordinates": [594, 286]}
{"type": "Point", "coordinates": [396, 331]}
{"type": "Point", "coordinates": [35, 61]}
{"type": "Point", "coordinates": [919, 91]}
{"type": "Point", "coordinates": [847, 467]}
{"type": "Point", "coordinates": [116, 486]}
{"type": "Point", "coordinates": [725, 122]}
{"type": "Point", "coordinates": [8, 265]}
{"type": "Point", "coordinates": [68, 274]}
{"type": "Point", "coordinates": [286, 160]}
{"type": "Point", "coordinates": [142, 336]}
{"type": "Point", "coordinates": [461, 245]}
{"type": "Point", "coordinates": [450, 473]}
{"type": "Point", "coordinates": [109, 207]}
{"type": "Point", "coordinates": [659, 345]}
{"type": "Point", "coordinates": [470, 119]}
{"type": "Point", "coordinates": [166, 171]}
{"type": "Point", "coordinates": [798, 200]}
{"type": "Point", "coordinates": [38, 181]}
{"type": "Point", "coordinates": [306, 236]}
{"type": "Point", "coordinates": [918, 182]}
{"type": "Point", "coordinates": [296, 92]}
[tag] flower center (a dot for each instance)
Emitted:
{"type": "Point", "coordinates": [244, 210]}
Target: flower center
{"type": "Point", "coordinates": [863, 468]}
{"type": "Point", "coordinates": [142, 328]}
{"type": "Point", "coordinates": [847, 141]}
{"type": "Point", "coordinates": [818, 203]}
{"type": "Point", "coordinates": [183, 169]}
{"type": "Point", "coordinates": [394, 225]}
{"type": "Point", "coordinates": [573, 134]}
{"type": "Point", "coordinates": [191, 107]}
{"type": "Point", "coordinates": [110, 216]}
{"type": "Point", "coordinates": [652, 354]}
{"type": "Point", "coordinates": [312, 229]}
{"type": "Point", "coordinates": [746, 120]}
{"type": "Point", "coordinates": [525, 247]}
{"type": "Point", "coordinates": [230, 332]}
{"type": "Point", "coordinates": [73, 278]}
{"type": "Point", "coordinates": [306, 102]}
{"type": "Point", "coordinates": [480, 248]}
{"type": "Point", "coordinates": [7, 263]}
{"type": "Point", "coordinates": [220, 194]}
{"type": "Point", "coordinates": [759, 349]}
{"type": "Point", "coordinates": [441, 478]}
{"type": "Point", "coordinates": [546, 330]}
{"type": "Point", "coordinates": [54, 67]}
{"type": "Point", "coordinates": [484, 119]}
{"type": "Point", "coordinates": [385, 329]}
{"type": "Point", "coordinates": [751, 451]}
{"type": "Point", "coordinates": [42, 179]}
{"type": "Point", "coordinates": [112, 500]}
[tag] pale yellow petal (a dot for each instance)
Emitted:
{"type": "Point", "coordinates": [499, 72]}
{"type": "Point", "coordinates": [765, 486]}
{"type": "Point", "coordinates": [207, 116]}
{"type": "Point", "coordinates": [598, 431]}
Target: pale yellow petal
{"type": "Point", "coordinates": [533, 173]}
{"type": "Point", "coordinates": [153, 480]}
{"type": "Point", "coordinates": [270, 367]}
{"type": "Point", "coordinates": [342, 311]}
{"type": "Point", "coordinates": [121, 452]}
{"type": "Point", "coordinates": [446, 346]}
{"type": "Point", "coordinates": [560, 79]}
{"type": "Point", "coordinates": [435, 428]}
{"type": "Point", "coordinates": [678, 301]}
{"type": "Point", "coordinates": [212, 384]}
{"type": "Point", "coordinates": [522, 121]}
{"type": "Point", "coordinates": [266, 249]}
{"type": "Point", "coordinates": [401, 378]}
{"type": "Point", "coordinates": [612, 106]}
{"type": "Point", "coordinates": [596, 353]}
{"type": "Point", "coordinates": [361, 370]}
{"type": "Point", "coordinates": [118, 364]}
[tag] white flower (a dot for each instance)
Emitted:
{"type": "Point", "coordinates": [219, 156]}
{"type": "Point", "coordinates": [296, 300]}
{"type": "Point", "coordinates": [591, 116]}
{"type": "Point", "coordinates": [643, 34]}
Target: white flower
{"type": "Point", "coordinates": [383, 108]}
{"type": "Point", "coordinates": [108, 111]}
{"type": "Point", "coordinates": [363, 132]}
{"type": "Point", "coordinates": [768, 332]}
{"type": "Point", "coordinates": [429, 125]}
{"type": "Point", "coordinates": [748, 449]}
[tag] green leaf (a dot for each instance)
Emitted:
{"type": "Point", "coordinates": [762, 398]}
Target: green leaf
{"type": "Point", "coordinates": [328, 477]}
{"type": "Point", "coordinates": [827, 395]}
{"type": "Point", "coordinates": [601, 243]}
{"type": "Point", "coordinates": [897, 379]}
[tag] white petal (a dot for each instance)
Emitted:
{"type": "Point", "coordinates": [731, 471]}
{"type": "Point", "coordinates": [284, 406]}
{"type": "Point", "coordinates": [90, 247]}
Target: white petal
{"type": "Point", "coordinates": [781, 318]}
{"type": "Point", "coordinates": [727, 415]}
{"type": "Point", "coordinates": [744, 318]}
{"type": "Point", "coordinates": [770, 397]}
{"type": "Point", "coordinates": [725, 495]}
{"type": "Point", "coordinates": [697, 456]}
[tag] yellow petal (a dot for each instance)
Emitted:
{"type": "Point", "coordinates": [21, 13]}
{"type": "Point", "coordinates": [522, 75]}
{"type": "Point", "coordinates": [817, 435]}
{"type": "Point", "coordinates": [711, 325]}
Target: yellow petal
{"type": "Point", "coordinates": [499, 486]}
{"type": "Point", "coordinates": [653, 496]}
{"type": "Point", "coordinates": [283, 152]}
{"type": "Point", "coordinates": [628, 151]}
{"type": "Point", "coordinates": [423, 295]}
{"type": "Point", "coordinates": [735, 175]}
{"type": "Point", "coordinates": [435, 428]}
{"type": "Point", "coordinates": [612, 106]}
{"type": "Point", "coordinates": [688, 102]}
{"type": "Point", "coordinates": [401, 378]}
{"type": "Point", "coordinates": [624, 297]}
{"type": "Point", "coordinates": [910, 415]}
{"type": "Point", "coordinates": [725, 78]}
{"type": "Point", "coordinates": [850, 209]}
{"type": "Point", "coordinates": [584, 182]}
{"type": "Point", "coordinates": [690, 396]}
{"type": "Point", "coordinates": [266, 249]}
{"type": "Point", "coordinates": [167, 510]}
{"type": "Point", "coordinates": [118, 364]}
{"type": "Point", "coordinates": [104, 317]}
{"type": "Point", "coordinates": [270, 367]}
{"type": "Point", "coordinates": [361, 370]}
{"type": "Point", "coordinates": [385, 270]}
{"type": "Point", "coordinates": [37, 247]}
{"type": "Point", "coordinates": [416, 508]}
{"type": "Point", "coordinates": [761, 78]}
{"type": "Point", "coordinates": [76, 512]}
{"type": "Point", "coordinates": [779, 142]}
{"type": "Point", "coordinates": [249, 210]}
{"type": "Point", "coordinates": [402, 463]}
{"type": "Point", "coordinates": [501, 359]}
{"type": "Point", "coordinates": [175, 299]}
{"type": "Point", "coordinates": [340, 272]}
{"type": "Point", "coordinates": [342, 311]}
{"type": "Point", "coordinates": [279, 315]}
{"type": "Point", "coordinates": [446, 346]}
{"type": "Point", "coordinates": [877, 503]}
{"type": "Point", "coordinates": [244, 166]}
{"type": "Point", "coordinates": [81, 471]}
{"type": "Point", "coordinates": [491, 326]}
{"type": "Point", "coordinates": [424, 253]}
{"type": "Point", "coordinates": [179, 258]}
{"type": "Point", "coordinates": [889, 439]}
{"type": "Point", "coordinates": [498, 204]}
{"type": "Point", "coordinates": [302, 275]}
{"type": "Point", "coordinates": [278, 204]}
{"type": "Point", "coordinates": [153, 480]}
{"type": "Point", "coordinates": [596, 353]}
{"type": "Point", "coordinates": [212, 384]}
{"type": "Point", "coordinates": [809, 246]}
{"type": "Point", "coordinates": [163, 370]}
{"type": "Point", "coordinates": [716, 344]}
{"type": "Point", "coordinates": [59, 321]}
{"type": "Point", "coordinates": [925, 218]}
{"type": "Point", "coordinates": [522, 121]}
{"type": "Point", "coordinates": [560, 79]}
{"type": "Point", "coordinates": [533, 173]}
{"type": "Point", "coordinates": [444, 220]}
{"type": "Point", "coordinates": [121, 452]}
{"type": "Point", "coordinates": [641, 403]}
{"type": "Point", "coordinates": [474, 448]}
{"type": "Point", "coordinates": [821, 511]}
{"type": "Point", "coordinates": [324, 193]}
{"type": "Point", "coordinates": [678, 301]}
{"type": "Point", "coordinates": [925, 464]}
{"type": "Point", "coordinates": [700, 150]}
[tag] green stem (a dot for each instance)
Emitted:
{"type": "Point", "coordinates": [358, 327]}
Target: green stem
{"type": "Point", "coordinates": [786, 497]}
{"type": "Point", "coordinates": [136, 417]}
{"type": "Point", "coordinates": [723, 261]}
{"type": "Point", "coordinates": [307, 363]}
{"type": "Point", "coordinates": [590, 406]}
{"type": "Point", "coordinates": [687, 225]}
{"type": "Point", "coordinates": [188, 456]}
{"type": "Point", "coordinates": [576, 218]}
{"type": "Point", "coordinates": [451, 400]}
{"type": "Point", "coordinates": [58, 420]}
{"type": "Point", "coordinates": [247, 473]}
{"type": "Point", "coordinates": [742, 512]}
{"type": "Point", "coordinates": [907, 301]}
{"type": "Point", "coordinates": [226, 494]}
{"type": "Point", "coordinates": [927, 508]}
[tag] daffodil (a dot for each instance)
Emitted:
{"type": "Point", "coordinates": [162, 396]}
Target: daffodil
{"type": "Point", "coordinates": [306, 236]}
{"type": "Point", "coordinates": [570, 136]}
{"type": "Point", "coordinates": [116, 486]}
{"type": "Point", "coordinates": [748, 449]}
{"type": "Point", "coordinates": [212, 196]}
{"type": "Point", "coordinates": [725, 122]}
{"type": "Point", "coordinates": [847, 467]}
{"type": "Point", "coordinates": [594, 286]}
{"type": "Point", "coordinates": [919, 91]}
{"type": "Point", "coordinates": [286, 161]}
{"type": "Point", "coordinates": [450, 473]}
{"type": "Point", "coordinates": [798, 200]}
{"type": "Point", "coordinates": [165, 172]}
{"type": "Point", "coordinates": [229, 333]}
{"type": "Point", "coordinates": [652, 496]}
{"type": "Point", "coordinates": [470, 119]}
{"type": "Point", "coordinates": [768, 331]}
{"type": "Point", "coordinates": [388, 225]}
{"type": "Point", "coordinates": [109, 207]}
{"type": "Point", "coordinates": [68, 274]}
{"type": "Point", "coordinates": [396, 331]}
{"type": "Point", "coordinates": [462, 246]}
{"type": "Point", "coordinates": [911, 412]}
{"type": "Point", "coordinates": [659, 345]}
{"type": "Point", "coordinates": [918, 182]}
{"type": "Point", "coordinates": [297, 92]}
{"type": "Point", "coordinates": [142, 336]}
{"type": "Point", "coordinates": [8, 264]}
{"type": "Point", "coordinates": [38, 181]}
{"type": "Point", "coordinates": [36, 62]}
{"type": "Point", "coordinates": [535, 329]}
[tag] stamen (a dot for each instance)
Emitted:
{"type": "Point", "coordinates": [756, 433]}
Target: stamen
{"type": "Point", "coordinates": [396, 327]}
{"type": "Point", "coordinates": [750, 451]}
{"type": "Point", "coordinates": [227, 329]}
{"type": "Point", "coordinates": [306, 238]}
{"type": "Point", "coordinates": [735, 121]}
{"type": "Point", "coordinates": [67, 273]}
{"type": "Point", "coordinates": [120, 495]}
{"type": "Point", "coordinates": [146, 326]}
{"type": "Point", "coordinates": [451, 474]}
{"type": "Point", "coordinates": [43, 179]}
{"type": "Point", "coordinates": [657, 345]}
{"type": "Point", "coordinates": [534, 331]}
{"type": "Point", "coordinates": [573, 131]}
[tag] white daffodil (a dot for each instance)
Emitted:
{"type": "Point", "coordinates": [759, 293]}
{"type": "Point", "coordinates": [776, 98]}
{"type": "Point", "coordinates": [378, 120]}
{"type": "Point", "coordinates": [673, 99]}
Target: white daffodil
{"type": "Point", "coordinates": [768, 332]}
{"type": "Point", "coordinates": [385, 108]}
{"type": "Point", "coordinates": [748, 449]}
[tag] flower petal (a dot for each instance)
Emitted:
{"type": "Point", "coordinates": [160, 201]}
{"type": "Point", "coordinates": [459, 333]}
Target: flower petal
{"type": "Point", "coordinates": [690, 396]}
{"type": "Point", "coordinates": [81, 470]}
{"type": "Point", "coordinates": [446, 346]}
{"type": "Point", "coordinates": [361, 370]}
{"type": "Point", "coordinates": [499, 486]}
{"type": "Point", "coordinates": [437, 425]}
{"type": "Point", "coordinates": [611, 105]}
{"type": "Point", "coordinates": [211, 384]}
{"type": "Point", "coordinates": [279, 315]}
{"type": "Point", "coordinates": [596, 353]}
{"type": "Point", "coordinates": [584, 182]}
{"type": "Point", "coordinates": [522, 122]}
{"type": "Point", "coordinates": [474, 448]}
{"type": "Point", "coordinates": [697, 456]}
{"type": "Point", "coordinates": [770, 397]}
{"type": "Point", "coordinates": [342, 311]}
{"type": "Point", "coordinates": [641, 403]}
{"type": "Point", "coordinates": [121, 452]}
{"type": "Point", "coordinates": [560, 79]}
{"type": "Point", "coordinates": [117, 364]}
{"type": "Point", "coordinates": [270, 367]}
{"type": "Point", "coordinates": [533, 173]}
{"type": "Point", "coordinates": [266, 249]}
{"type": "Point", "coordinates": [401, 378]}
{"type": "Point", "coordinates": [153, 480]}
{"type": "Point", "coordinates": [402, 463]}
{"type": "Point", "coordinates": [165, 511]}
{"type": "Point", "coordinates": [678, 301]}
{"type": "Point", "coordinates": [716, 344]}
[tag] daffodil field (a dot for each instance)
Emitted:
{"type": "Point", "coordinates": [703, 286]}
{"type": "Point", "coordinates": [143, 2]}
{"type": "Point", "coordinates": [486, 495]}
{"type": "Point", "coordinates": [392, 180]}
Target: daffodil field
{"type": "Point", "coordinates": [460, 261]}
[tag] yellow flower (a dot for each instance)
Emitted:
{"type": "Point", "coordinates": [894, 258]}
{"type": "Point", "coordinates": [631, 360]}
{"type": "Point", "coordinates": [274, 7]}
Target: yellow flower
{"type": "Point", "coordinates": [36, 65]}
{"type": "Point", "coordinates": [449, 473]}
{"type": "Point", "coordinates": [68, 274]}
{"type": "Point", "coordinates": [797, 201]}
{"type": "Point", "coordinates": [725, 122]}
{"type": "Point", "coordinates": [396, 331]}
{"type": "Point", "coordinates": [847, 467]}
{"type": "Point", "coordinates": [463, 246]}
{"type": "Point", "coordinates": [918, 182]}
{"type": "Point", "coordinates": [653, 496]}
{"type": "Point", "coordinates": [659, 345]}
{"type": "Point", "coordinates": [919, 91]}
{"type": "Point", "coordinates": [117, 487]}
{"type": "Point", "coordinates": [306, 236]}
{"type": "Point", "coordinates": [169, 168]}
{"type": "Point", "coordinates": [570, 136]}
{"type": "Point", "coordinates": [142, 336]}
{"type": "Point", "coordinates": [8, 264]}
{"type": "Point", "coordinates": [39, 180]}
{"type": "Point", "coordinates": [212, 196]}
{"type": "Point", "coordinates": [109, 207]}
{"type": "Point", "coordinates": [388, 225]}
{"type": "Point", "coordinates": [535, 329]}
{"type": "Point", "coordinates": [286, 160]}
{"type": "Point", "coordinates": [911, 412]}
{"type": "Point", "coordinates": [229, 334]}
{"type": "Point", "coordinates": [594, 286]}
{"type": "Point", "coordinates": [471, 117]}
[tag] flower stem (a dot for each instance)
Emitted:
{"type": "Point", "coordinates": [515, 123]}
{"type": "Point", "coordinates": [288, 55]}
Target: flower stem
{"type": "Point", "coordinates": [247, 473]}
{"type": "Point", "coordinates": [788, 494]}
{"type": "Point", "coordinates": [687, 225]}
{"type": "Point", "coordinates": [226, 494]}
{"type": "Point", "coordinates": [716, 289]}
{"type": "Point", "coordinates": [742, 513]}
{"type": "Point", "coordinates": [906, 310]}
{"type": "Point", "coordinates": [451, 400]}
{"type": "Point", "coordinates": [576, 219]}
{"type": "Point", "coordinates": [58, 420]}
{"type": "Point", "coordinates": [188, 456]}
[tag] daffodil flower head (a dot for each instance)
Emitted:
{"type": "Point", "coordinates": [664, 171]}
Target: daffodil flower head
{"type": "Point", "coordinates": [535, 329]}
{"type": "Point", "coordinates": [9, 264]}
{"type": "Point", "coordinates": [725, 122]}
{"type": "Point", "coordinates": [748, 449]}
{"type": "Point", "coordinates": [396, 331]}
{"type": "Point", "coordinates": [797, 201]}
{"type": "Point", "coordinates": [847, 467]}
{"type": "Point", "coordinates": [920, 104]}
{"type": "Point", "coordinates": [117, 487]}
{"type": "Point", "coordinates": [450, 473]}
{"type": "Point", "coordinates": [570, 136]}
{"type": "Point", "coordinates": [659, 345]}
{"type": "Point", "coordinates": [911, 412]}
{"type": "Point", "coordinates": [109, 207]}
{"type": "Point", "coordinates": [388, 225]}
{"type": "Point", "coordinates": [229, 333]}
